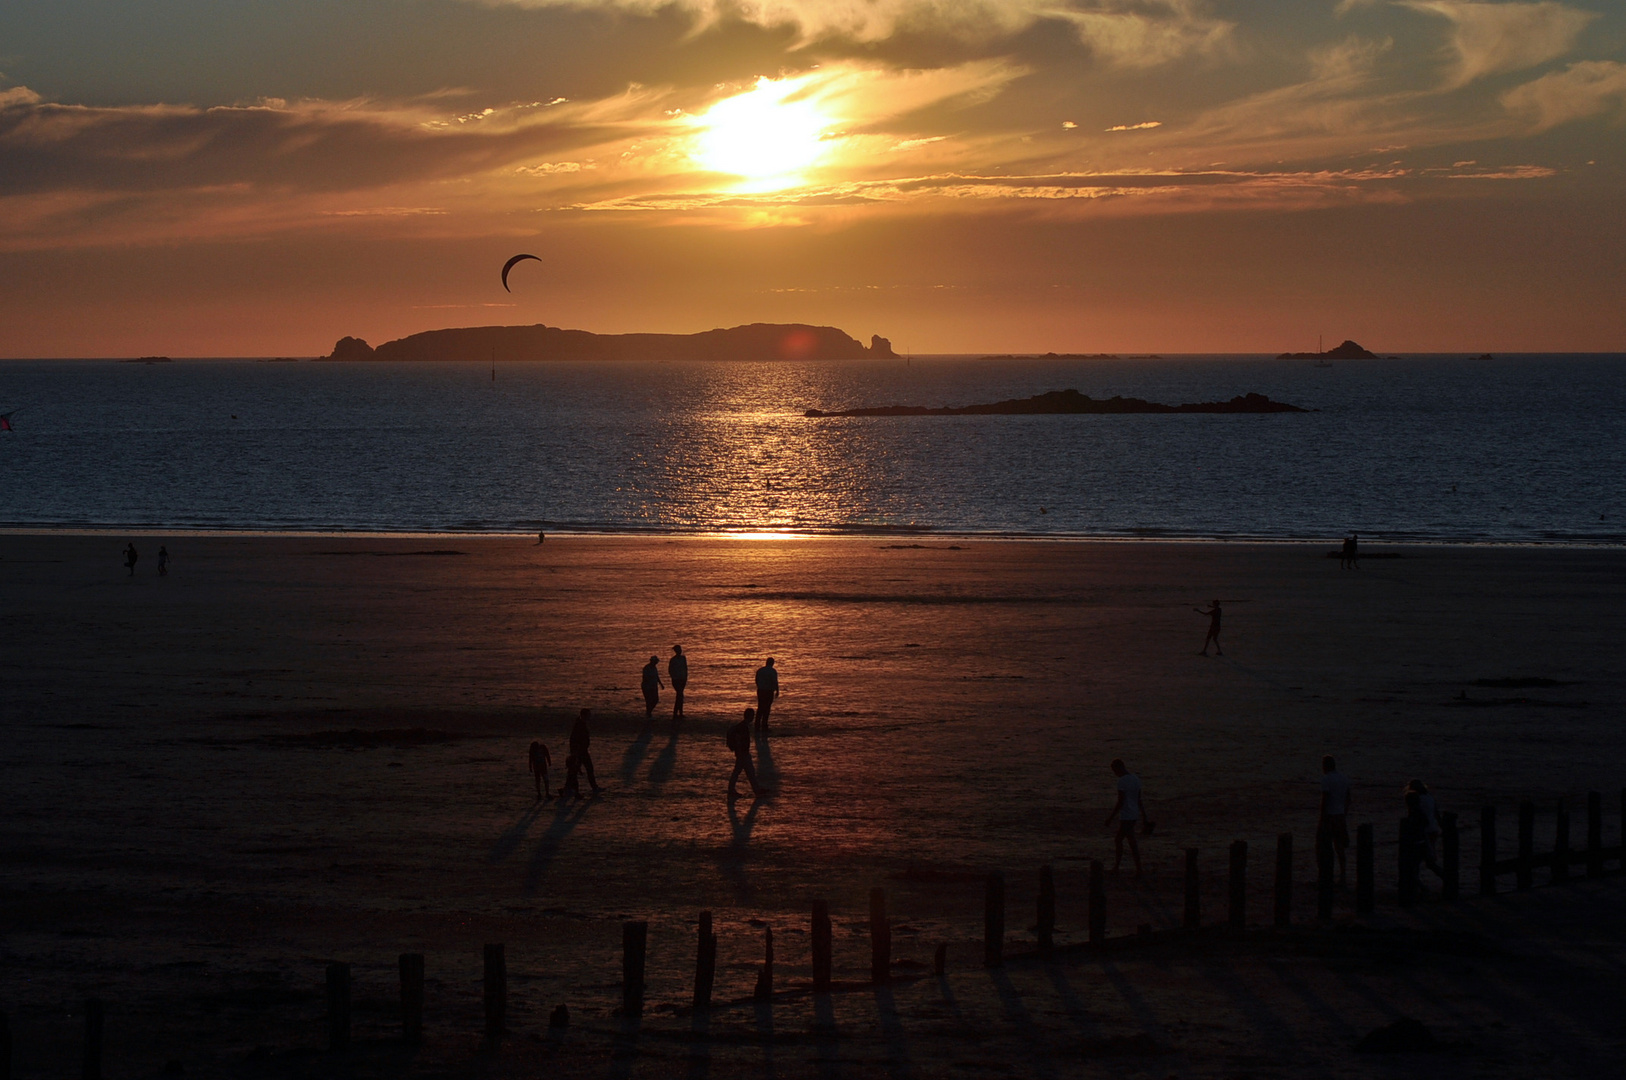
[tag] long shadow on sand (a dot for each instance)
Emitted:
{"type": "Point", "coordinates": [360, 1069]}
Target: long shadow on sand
{"type": "Point", "coordinates": [665, 762]}
{"type": "Point", "coordinates": [565, 818]}
{"type": "Point", "coordinates": [635, 753]}
{"type": "Point", "coordinates": [767, 771]}
{"type": "Point", "coordinates": [512, 836]}
{"type": "Point", "coordinates": [732, 860]}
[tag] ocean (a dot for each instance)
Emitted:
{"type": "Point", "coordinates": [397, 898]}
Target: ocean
{"type": "Point", "coordinates": [1518, 449]}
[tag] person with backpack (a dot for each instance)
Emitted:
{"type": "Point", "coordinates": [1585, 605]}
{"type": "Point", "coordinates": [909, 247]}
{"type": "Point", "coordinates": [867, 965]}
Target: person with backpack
{"type": "Point", "coordinates": [739, 741]}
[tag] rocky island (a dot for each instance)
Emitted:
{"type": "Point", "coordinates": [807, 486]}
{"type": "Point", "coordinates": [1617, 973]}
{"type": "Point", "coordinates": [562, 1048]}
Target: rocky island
{"type": "Point", "coordinates": [1347, 351]}
{"type": "Point", "coordinates": [757, 341]}
{"type": "Point", "coordinates": [1071, 402]}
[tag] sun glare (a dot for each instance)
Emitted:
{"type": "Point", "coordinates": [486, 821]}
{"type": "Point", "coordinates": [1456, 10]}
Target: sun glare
{"type": "Point", "coordinates": [763, 136]}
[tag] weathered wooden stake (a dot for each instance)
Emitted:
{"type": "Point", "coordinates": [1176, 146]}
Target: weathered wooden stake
{"type": "Point", "coordinates": [822, 951]}
{"type": "Point", "coordinates": [1411, 861]}
{"type": "Point", "coordinates": [1098, 903]}
{"type": "Point", "coordinates": [1366, 890]}
{"type": "Point", "coordinates": [1450, 857]}
{"type": "Point", "coordinates": [993, 921]}
{"type": "Point", "coordinates": [880, 938]}
{"type": "Point", "coordinates": [1284, 880]}
{"type": "Point", "coordinates": [1527, 844]}
{"type": "Point", "coordinates": [764, 989]}
{"type": "Point", "coordinates": [5, 1047]}
{"type": "Point", "coordinates": [1561, 844]}
{"type": "Point", "coordinates": [411, 966]}
{"type": "Point", "coordinates": [1594, 834]}
{"type": "Point", "coordinates": [496, 990]}
{"type": "Point", "coordinates": [1194, 893]}
{"type": "Point", "coordinates": [1239, 885]}
{"type": "Point", "coordinates": [338, 1006]}
{"type": "Point", "coordinates": [705, 959]}
{"type": "Point", "coordinates": [92, 1066]}
{"type": "Point", "coordinates": [1487, 851]}
{"type": "Point", "coordinates": [1046, 923]}
{"type": "Point", "coordinates": [1323, 876]}
{"type": "Point", "coordinates": [634, 940]}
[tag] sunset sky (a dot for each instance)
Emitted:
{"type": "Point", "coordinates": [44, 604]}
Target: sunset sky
{"type": "Point", "coordinates": [259, 177]}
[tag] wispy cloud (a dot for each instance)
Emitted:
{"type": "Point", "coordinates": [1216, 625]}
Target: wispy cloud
{"type": "Point", "coordinates": [1589, 88]}
{"type": "Point", "coordinates": [1489, 39]}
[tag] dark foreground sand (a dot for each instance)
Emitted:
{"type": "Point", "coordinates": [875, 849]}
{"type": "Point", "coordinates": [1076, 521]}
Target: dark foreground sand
{"type": "Point", "coordinates": [213, 784]}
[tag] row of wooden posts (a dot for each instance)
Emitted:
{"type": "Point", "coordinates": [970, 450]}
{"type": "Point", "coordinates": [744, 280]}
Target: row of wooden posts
{"type": "Point", "coordinates": [1594, 857]}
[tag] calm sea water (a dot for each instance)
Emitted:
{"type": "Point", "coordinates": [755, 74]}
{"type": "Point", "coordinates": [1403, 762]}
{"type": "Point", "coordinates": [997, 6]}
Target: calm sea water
{"type": "Point", "coordinates": [1529, 448]}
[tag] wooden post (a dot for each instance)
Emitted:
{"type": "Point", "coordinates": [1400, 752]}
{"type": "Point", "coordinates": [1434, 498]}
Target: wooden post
{"type": "Point", "coordinates": [822, 951]}
{"type": "Point", "coordinates": [1239, 885]}
{"type": "Point", "coordinates": [411, 966]}
{"type": "Point", "coordinates": [1047, 911]}
{"type": "Point", "coordinates": [1411, 861]}
{"type": "Point", "coordinates": [91, 1068]}
{"type": "Point", "coordinates": [5, 1047]}
{"type": "Point", "coordinates": [1284, 880]}
{"type": "Point", "coordinates": [1194, 893]}
{"type": "Point", "coordinates": [880, 938]}
{"type": "Point", "coordinates": [1594, 834]}
{"type": "Point", "coordinates": [705, 959]}
{"type": "Point", "coordinates": [496, 990]}
{"type": "Point", "coordinates": [764, 989]}
{"type": "Point", "coordinates": [634, 940]}
{"type": "Point", "coordinates": [1487, 851]}
{"type": "Point", "coordinates": [338, 1006]}
{"type": "Point", "coordinates": [1366, 891]}
{"type": "Point", "coordinates": [1527, 844]}
{"type": "Point", "coordinates": [1324, 888]}
{"type": "Point", "coordinates": [1450, 857]}
{"type": "Point", "coordinates": [993, 921]}
{"type": "Point", "coordinates": [1561, 844]}
{"type": "Point", "coordinates": [1622, 820]}
{"type": "Point", "coordinates": [1098, 904]}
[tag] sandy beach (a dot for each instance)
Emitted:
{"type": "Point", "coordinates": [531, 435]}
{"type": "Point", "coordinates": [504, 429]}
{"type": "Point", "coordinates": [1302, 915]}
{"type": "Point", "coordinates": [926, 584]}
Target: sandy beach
{"type": "Point", "coordinates": [293, 750]}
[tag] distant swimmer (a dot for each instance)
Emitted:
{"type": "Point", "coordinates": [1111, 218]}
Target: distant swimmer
{"type": "Point", "coordinates": [130, 557]}
{"type": "Point", "coordinates": [739, 741]}
{"type": "Point", "coordinates": [767, 691]}
{"type": "Point", "coordinates": [1129, 811]}
{"type": "Point", "coordinates": [652, 685]}
{"type": "Point", "coordinates": [163, 561]}
{"type": "Point", "coordinates": [540, 761]}
{"type": "Point", "coordinates": [1213, 614]}
{"type": "Point", "coordinates": [580, 740]}
{"type": "Point", "coordinates": [677, 670]}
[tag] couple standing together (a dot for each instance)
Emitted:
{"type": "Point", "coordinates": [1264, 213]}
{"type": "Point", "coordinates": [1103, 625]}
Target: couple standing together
{"type": "Point", "coordinates": [677, 670]}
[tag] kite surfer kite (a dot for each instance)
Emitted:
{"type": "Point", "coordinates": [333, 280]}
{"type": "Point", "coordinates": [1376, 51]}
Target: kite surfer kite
{"type": "Point", "coordinates": [509, 265]}
{"type": "Point", "coordinates": [5, 420]}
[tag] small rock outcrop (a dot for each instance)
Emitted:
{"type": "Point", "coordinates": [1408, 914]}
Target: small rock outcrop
{"type": "Point", "coordinates": [1071, 402]}
{"type": "Point", "coordinates": [1347, 351]}
{"type": "Point", "coordinates": [881, 348]}
{"type": "Point", "coordinates": [351, 348]}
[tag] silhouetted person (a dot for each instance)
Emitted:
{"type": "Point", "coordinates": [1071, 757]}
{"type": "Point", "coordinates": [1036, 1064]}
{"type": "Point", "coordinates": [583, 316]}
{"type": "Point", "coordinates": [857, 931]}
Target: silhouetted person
{"type": "Point", "coordinates": [1213, 614]}
{"type": "Point", "coordinates": [652, 685]}
{"type": "Point", "coordinates": [739, 741]}
{"type": "Point", "coordinates": [1128, 811]}
{"type": "Point", "coordinates": [163, 561]}
{"type": "Point", "coordinates": [1347, 555]}
{"type": "Point", "coordinates": [767, 690]}
{"type": "Point", "coordinates": [541, 536]}
{"type": "Point", "coordinates": [1354, 551]}
{"type": "Point", "coordinates": [1428, 810]}
{"type": "Point", "coordinates": [580, 740]}
{"type": "Point", "coordinates": [677, 670]}
{"type": "Point", "coordinates": [1332, 827]}
{"type": "Point", "coordinates": [539, 769]}
{"type": "Point", "coordinates": [130, 557]}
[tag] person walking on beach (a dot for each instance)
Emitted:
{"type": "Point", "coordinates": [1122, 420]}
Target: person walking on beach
{"type": "Point", "coordinates": [1354, 551]}
{"type": "Point", "coordinates": [677, 670]}
{"type": "Point", "coordinates": [1213, 614]}
{"type": "Point", "coordinates": [1347, 554]}
{"type": "Point", "coordinates": [1332, 827]}
{"type": "Point", "coordinates": [767, 690]}
{"type": "Point", "coordinates": [163, 561]}
{"type": "Point", "coordinates": [1429, 812]}
{"type": "Point", "coordinates": [539, 769]}
{"type": "Point", "coordinates": [580, 740]}
{"type": "Point", "coordinates": [130, 557]}
{"type": "Point", "coordinates": [1128, 812]}
{"type": "Point", "coordinates": [739, 741]}
{"type": "Point", "coordinates": [652, 686]}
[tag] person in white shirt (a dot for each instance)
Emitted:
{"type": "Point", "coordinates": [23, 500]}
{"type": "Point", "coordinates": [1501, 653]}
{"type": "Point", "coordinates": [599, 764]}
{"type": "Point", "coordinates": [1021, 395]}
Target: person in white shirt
{"type": "Point", "coordinates": [1429, 810]}
{"type": "Point", "coordinates": [1128, 811]}
{"type": "Point", "coordinates": [1333, 827]}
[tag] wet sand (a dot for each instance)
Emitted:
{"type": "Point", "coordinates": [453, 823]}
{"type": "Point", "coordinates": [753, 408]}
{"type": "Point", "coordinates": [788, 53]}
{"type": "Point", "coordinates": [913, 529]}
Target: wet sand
{"type": "Point", "coordinates": [293, 750]}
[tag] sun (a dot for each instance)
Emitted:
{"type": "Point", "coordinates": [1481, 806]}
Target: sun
{"type": "Point", "coordinates": [767, 136]}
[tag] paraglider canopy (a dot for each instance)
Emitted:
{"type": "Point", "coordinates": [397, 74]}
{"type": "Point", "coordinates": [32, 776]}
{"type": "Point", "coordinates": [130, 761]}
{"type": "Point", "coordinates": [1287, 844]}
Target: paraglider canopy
{"type": "Point", "coordinates": [509, 265]}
